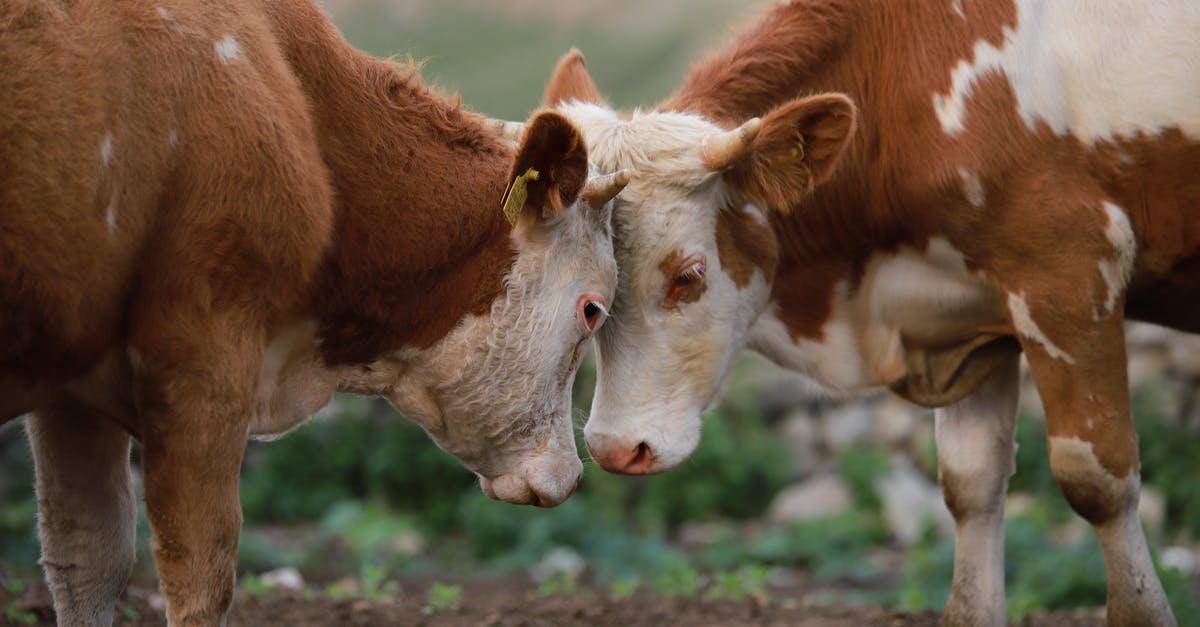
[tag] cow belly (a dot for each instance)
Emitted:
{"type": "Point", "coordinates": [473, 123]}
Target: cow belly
{"type": "Point", "coordinates": [1171, 301]}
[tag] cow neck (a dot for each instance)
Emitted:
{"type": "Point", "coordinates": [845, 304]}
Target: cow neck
{"type": "Point", "coordinates": [420, 239]}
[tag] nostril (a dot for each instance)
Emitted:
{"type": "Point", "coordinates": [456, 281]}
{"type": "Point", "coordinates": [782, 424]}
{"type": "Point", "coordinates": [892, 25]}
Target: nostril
{"type": "Point", "coordinates": [642, 460]}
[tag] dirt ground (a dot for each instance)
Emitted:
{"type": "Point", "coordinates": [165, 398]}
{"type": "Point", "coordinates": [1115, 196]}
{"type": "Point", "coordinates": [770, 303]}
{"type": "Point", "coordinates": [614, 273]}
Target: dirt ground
{"type": "Point", "coordinates": [489, 605]}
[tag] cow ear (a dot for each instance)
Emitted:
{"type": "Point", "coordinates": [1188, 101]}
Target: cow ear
{"type": "Point", "coordinates": [549, 172]}
{"type": "Point", "coordinates": [571, 81]}
{"type": "Point", "coordinates": [798, 147]}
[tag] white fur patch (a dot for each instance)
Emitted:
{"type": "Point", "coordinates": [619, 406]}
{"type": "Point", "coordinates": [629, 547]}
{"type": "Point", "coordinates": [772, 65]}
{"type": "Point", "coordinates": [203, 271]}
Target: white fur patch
{"type": "Point", "coordinates": [110, 214]}
{"type": "Point", "coordinates": [972, 188]}
{"type": "Point", "coordinates": [106, 150]}
{"type": "Point", "coordinates": [1117, 270]}
{"type": "Point", "coordinates": [1023, 321]}
{"type": "Point", "coordinates": [835, 361]}
{"type": "Point", "coordinates": [227, 49]}
{"type": "Point", "coordinates": [1095, 70]}
{"type": "Point", "coordinates": [1073, 455]}
{"type": "Point", "coordinates": [957, 7]}
{"type": "Point", "coordinates": [163, 12]}
{"type": "Point", "coordinates": [172, 139]}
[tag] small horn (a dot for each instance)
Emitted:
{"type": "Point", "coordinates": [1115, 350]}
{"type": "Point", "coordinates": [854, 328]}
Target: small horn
{"type": "Point", "coordinates": [601, 189]}
{"type": "Point", "coordinates": [512, 131]}
{"type": "Point", "coordinates": [719, 150]}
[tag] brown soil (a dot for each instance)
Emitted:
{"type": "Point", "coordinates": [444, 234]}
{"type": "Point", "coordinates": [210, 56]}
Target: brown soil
{"type": "Point", "coordinates": [507, 604]}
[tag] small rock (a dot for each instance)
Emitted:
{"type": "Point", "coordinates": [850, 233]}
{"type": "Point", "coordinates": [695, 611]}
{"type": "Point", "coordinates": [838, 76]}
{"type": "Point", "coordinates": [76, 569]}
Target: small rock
{"type": "Point", "coordinates": [1152, 507]}
{"type": "Point", "coordinates": [910, 501]}
{"type": "Point", "coordinates": [558, 560]}
{"type": "Point", "coordinates": [1184, 354]}
{"type": "Point", "coordinates": [1180, 558]}
{"type": "Point", "coordinates": [818, 497]}
{"type": "Point", "coordinates": [894, 421]}
{"type": "Point", "coordinates": [286, 578]}
{"type": "Point", "coordinates": [1146, 365]}
{"type": "Point", "coordinates": [800, 430]}
{"type": "Point", "coordinates": [846, 425]}
{"type": "Point", "coordinates": [1145, 335]}
{"type": "Point", "coordinates": [1018, 503]}
{"type": "Point", "coordinates": [407, 542]}
{"type": "Point", "coordinates": [704, 533]}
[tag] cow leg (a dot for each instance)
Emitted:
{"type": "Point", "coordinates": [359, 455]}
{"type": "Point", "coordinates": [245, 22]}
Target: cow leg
{"type": "Point", "coordinates": [975, 460]}
{"type": "Point", "coordinates": [86, 511]}
{"type": "Point", "coordinates": [195, 398]}
{"type": "Point", "coordinates": [1077, 358]}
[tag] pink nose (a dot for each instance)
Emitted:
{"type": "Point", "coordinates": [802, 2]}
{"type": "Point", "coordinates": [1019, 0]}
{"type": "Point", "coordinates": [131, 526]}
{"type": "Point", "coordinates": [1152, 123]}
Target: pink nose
{"type": "Point", "coordinates": [626, 461]}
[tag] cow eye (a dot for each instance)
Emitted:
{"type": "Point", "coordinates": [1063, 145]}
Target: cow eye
{"type": "Point", "coordinates": [688, 280]}
{"type": "Point", "coordinates": [591, 312]}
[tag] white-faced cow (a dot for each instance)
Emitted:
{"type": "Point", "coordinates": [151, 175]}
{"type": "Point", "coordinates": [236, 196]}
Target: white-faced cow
{"type": "Point", "coordinates": [213, 217]}
{"type": "Point", "coordinates": [1024, 177]}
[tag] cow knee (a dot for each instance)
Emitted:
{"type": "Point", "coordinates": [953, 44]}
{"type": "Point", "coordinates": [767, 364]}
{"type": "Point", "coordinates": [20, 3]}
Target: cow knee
{"type": "Point", "coordinates": [1093, 490]}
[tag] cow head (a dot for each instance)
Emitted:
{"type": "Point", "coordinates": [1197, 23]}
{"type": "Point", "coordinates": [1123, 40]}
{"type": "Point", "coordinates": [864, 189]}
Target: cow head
{"type": "Point", "coordinates": [695, 251]}
{"type": "Point", "coordinates": [496, 391]}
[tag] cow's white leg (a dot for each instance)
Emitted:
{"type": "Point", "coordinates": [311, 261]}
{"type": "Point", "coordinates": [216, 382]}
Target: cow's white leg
{"type": "Point", "coordinates": [86, 511]}
{"type": "Point", "coordinates": [1079, 366]}
{"type": "Point", "coordinates": [975, 460]}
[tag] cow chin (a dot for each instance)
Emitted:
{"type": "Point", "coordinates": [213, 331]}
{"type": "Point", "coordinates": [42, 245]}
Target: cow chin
{"type": "Point", "coordinates": [545, 481]}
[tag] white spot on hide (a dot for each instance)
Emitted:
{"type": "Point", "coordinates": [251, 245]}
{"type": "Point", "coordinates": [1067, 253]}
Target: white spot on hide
{"type": "Point", "coordinates": [972, 188]}
{"type": "Point", "coordinates": [106, 149]}
{"type": "Point", "coordinates": [163, 12]}
{"type": "Point", "coordinates": [957, 7]}
{"type": "Point", "coordinates": [1025, 325]}
{"type": "Point", "coordinates": [172, 139]}
{"type": "Point", "coordinates": [227, 49]}
{"type": "Point", "coordinates": [1093, 70]}
{"type": "Point", "coordinates": [1117, 270]}
{"type": "Point", "coordinates": [110, 214]}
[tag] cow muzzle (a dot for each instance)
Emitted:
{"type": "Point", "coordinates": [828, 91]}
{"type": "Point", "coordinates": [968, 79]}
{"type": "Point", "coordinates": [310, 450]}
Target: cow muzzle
{"type": "Point", "coordinates": [544, 481]}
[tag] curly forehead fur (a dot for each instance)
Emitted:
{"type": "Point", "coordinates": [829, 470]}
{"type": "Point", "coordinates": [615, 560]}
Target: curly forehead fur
{"type": "Point", "coordinates": [662, 147]}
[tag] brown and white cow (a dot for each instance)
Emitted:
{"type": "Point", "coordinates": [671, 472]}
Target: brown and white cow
{"type": "Point", "coordinates": [215, 215]}
{"type": "Point", "coordinates": [1023, 179]}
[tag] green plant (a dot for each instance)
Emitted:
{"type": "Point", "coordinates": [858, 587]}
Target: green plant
{"type": "Point", "coordinates": [625, 587]}
{"type": "Point", "coordinates": [861, 466]}
{"type": "Point", "coordinates": [131, 613]}
{"type": "Point", "coordinates": [678, 579]}
{"type": "Point", "coordinates": [254, 587]}
{"type": "Point", "coordinates": [441, 598]}
{"type": "Point", "coordinates": [831, 548]}
{"type": "Point", "coordinates": [376, 587]}
{"type": "Point", "coordinates": [560, 583]}
{"type": "Point", "coordinates": [747, 582]}
{"type": "Point", "coordinates": [17, 616]}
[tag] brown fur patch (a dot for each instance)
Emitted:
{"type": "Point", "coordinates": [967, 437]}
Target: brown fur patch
{"type": "Point", "coordinates": [744, 244]}
{"type": "Point", "coordinates": [670, 269]}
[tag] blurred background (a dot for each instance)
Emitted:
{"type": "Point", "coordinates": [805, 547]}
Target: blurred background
{"type": "Point", "coordinates": [791, 496]}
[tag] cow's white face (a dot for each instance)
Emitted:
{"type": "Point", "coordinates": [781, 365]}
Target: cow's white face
{"type": "Point", "coordinates": [496, 391]}
{"type": "Point", "coordinates": [679, 317]}
{"type": "Point", "coordinates": [694, 251]}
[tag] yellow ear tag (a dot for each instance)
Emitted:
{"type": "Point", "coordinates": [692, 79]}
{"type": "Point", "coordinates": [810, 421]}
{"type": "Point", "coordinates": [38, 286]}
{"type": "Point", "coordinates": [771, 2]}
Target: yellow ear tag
{"type": "Point", "coordinates": [798, 149]}
{"type": "Point", "coordinates": [515, 197]}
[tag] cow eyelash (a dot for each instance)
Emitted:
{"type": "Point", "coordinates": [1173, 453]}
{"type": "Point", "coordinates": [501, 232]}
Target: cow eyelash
{"type": "Point", "coordinates": [692, 273]}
